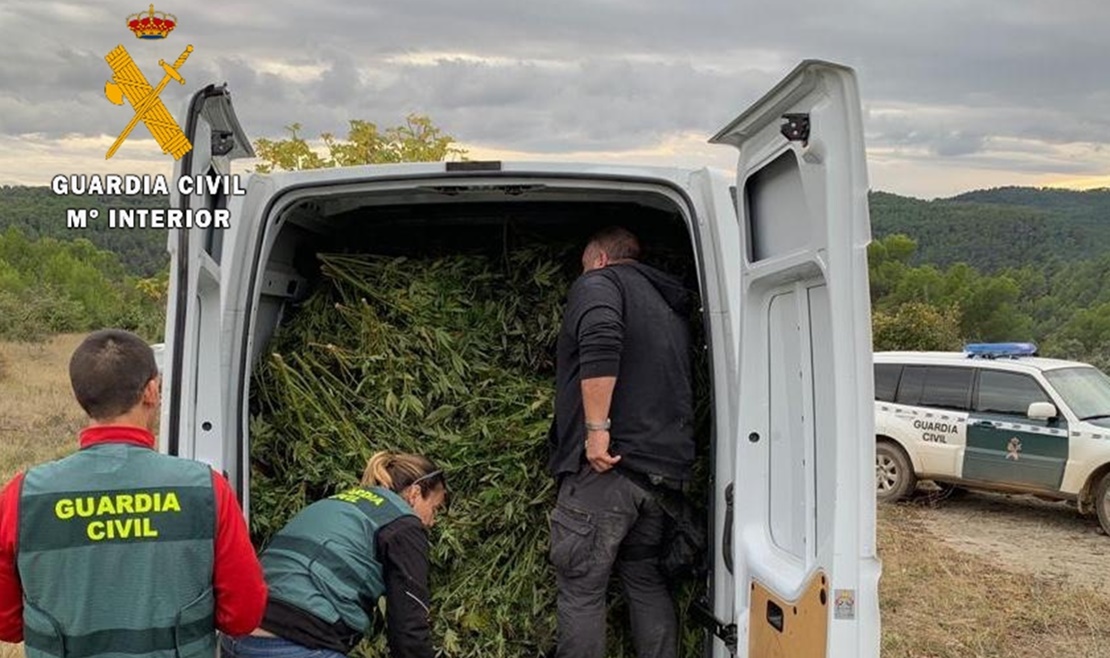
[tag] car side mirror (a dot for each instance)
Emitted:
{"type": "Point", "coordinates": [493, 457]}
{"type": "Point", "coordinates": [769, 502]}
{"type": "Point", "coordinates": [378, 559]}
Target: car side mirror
{"type": "Point", "coordinates": [1041, 411]}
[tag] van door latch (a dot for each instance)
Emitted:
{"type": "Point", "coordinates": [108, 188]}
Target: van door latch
{"type": "Point", "coordinates": [701, 613]}
{"type": "Point", "coordinates": [795, 127]}
{"type": "Point", "coordinates": [222, 142]}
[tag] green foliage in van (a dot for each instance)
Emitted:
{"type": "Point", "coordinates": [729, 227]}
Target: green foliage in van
{"type": "Point", "coordinates": [452, 357]}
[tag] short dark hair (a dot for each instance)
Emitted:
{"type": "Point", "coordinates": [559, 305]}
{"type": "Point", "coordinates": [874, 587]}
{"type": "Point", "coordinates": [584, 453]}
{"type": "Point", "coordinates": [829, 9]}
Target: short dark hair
{"type": "Point", "coordinates": [618, 242]}
{"type": "Point", "coordinates": [108, 372]}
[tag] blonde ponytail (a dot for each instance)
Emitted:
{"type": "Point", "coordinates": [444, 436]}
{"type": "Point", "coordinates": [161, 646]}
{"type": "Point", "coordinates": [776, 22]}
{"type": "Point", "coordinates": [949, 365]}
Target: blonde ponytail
{"type": "Point", "coordinates": [377, 470]}
{"type": "Point", "coordinates": [397, 470]}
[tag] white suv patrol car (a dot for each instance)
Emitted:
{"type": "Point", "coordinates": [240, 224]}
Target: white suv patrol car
{"type": "Point", "coordinates": [993, 417]}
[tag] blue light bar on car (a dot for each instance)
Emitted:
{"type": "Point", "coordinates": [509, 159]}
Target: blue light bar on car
{"type": "Point", "coordinates": [995, 350]}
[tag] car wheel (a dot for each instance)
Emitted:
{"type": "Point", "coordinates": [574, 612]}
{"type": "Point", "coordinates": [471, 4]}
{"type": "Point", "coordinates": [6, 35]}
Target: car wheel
{"type": "Point", "coordinates": [1102, 503]}
{"type": "Point", "coordinates": [894, 476]}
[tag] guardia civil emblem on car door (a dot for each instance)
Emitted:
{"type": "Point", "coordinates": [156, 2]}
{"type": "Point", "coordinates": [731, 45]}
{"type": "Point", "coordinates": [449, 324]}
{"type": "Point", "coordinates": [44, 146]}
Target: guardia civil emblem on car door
{"type": "Point", "coordinates": [1013, 450]}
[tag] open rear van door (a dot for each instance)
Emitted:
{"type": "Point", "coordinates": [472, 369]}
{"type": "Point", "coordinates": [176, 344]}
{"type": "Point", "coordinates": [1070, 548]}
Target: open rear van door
{"type": "Point", "coordinates": [803, 556]}
{"type": "Point", "coordinates": [203, 329]}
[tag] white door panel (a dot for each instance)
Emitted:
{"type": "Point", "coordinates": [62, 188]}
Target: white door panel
{"type": "Point", "coordinates": [806, 573]}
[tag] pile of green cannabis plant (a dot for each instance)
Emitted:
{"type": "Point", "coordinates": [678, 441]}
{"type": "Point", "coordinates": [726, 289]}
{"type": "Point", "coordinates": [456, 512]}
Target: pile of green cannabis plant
{"type": "Point", "coordinates": [450, 357]}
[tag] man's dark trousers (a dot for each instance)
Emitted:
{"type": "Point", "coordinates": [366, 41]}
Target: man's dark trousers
{"type": "Point", "coordinates": [602, 521]}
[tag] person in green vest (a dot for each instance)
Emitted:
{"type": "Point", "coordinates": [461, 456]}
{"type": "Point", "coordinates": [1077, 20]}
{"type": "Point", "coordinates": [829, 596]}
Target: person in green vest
{"type": "Point", "coordinates": [329, 566]}
{"type": "Point", "coordinates": [118, 549]}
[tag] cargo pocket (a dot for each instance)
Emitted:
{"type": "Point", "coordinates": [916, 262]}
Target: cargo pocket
{"type": "Point", "coordinates": [42, 632]}
{"type": "Point", "coordinates": [572, 541]}
{"type": "Point", "coordinates": [194, 630]}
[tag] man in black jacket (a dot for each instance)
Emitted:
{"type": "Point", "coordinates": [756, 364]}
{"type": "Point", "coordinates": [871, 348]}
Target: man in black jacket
{"type": "Point", "coordinates": [623, 418]}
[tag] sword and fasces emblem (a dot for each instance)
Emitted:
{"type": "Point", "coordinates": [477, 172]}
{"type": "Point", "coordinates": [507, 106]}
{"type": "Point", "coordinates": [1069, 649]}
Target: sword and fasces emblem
{"type": "Point", "coordinates": [128, 82]}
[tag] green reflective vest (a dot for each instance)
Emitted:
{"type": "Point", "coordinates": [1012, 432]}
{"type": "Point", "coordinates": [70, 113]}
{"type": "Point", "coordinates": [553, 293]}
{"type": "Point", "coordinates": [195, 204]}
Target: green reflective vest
{"type": "Point", "coordinates": [324, 561]}
{"type": "Point", "coordinates": [115, 555]}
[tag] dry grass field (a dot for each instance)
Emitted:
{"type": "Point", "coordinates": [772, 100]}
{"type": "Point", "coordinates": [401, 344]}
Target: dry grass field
{"type": "Point", "coordinates": [39, 419]}
{"type": "Point", "coordinates": [937, 601]}
{"type": "Point", "coordinates": [942, 594]}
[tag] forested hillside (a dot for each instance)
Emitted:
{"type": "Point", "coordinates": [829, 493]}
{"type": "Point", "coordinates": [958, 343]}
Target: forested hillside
{"type": "Point", "coordinates": [1072, 204]}
{"type": "Point", "coordinates": [1065, 309]}
{"type": "Point", "coordinates": [38, 212]}
{"type": "Point", "coordinates": [996, 229]}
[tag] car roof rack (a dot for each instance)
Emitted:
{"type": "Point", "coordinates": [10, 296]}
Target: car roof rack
{"type": "Point", "coordinates": [999, 350]}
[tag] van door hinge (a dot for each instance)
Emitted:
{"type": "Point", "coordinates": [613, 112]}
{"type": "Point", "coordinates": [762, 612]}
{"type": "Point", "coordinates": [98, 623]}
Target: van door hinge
{"type": "Point", "coordinates": [795, 127]}
{"type": "Point", "coordinates": [701, 613]}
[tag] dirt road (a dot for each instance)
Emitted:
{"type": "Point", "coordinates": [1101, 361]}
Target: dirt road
{"type": "Point", "coordinates": [1023, 534]}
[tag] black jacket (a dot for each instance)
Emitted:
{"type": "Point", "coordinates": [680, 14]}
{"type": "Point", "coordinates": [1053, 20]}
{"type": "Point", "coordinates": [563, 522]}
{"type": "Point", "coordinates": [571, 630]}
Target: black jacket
{"type": "Point", "coordinates": [630, 321]}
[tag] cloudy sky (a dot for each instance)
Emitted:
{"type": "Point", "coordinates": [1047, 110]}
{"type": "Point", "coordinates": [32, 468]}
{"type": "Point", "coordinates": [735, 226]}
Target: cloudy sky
{"type": "Point", "coordinates": [957, 94]}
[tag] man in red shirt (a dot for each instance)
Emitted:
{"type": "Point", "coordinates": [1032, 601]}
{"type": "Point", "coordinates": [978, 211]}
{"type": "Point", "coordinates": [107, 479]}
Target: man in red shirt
{"type": "Point", "coordinates": [118, 548]}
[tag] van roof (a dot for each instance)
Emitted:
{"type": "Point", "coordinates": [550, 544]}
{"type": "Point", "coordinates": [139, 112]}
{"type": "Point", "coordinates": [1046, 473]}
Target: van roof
{"type": "Point", "coordinates": [678, 175]}
{"type": "Point", "coordinates": [961, 358]}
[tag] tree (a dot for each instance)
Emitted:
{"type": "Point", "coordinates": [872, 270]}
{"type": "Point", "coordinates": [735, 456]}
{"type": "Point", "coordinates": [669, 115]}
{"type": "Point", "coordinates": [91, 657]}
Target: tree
{"type": "Point", "coordinates": [1089, 328]}
{"type": "Point", "coordinates": [916, 326]}
{"type": "Point", "coordinates": [417, 140]}
{"type": "Point", "coordinates": [991, 313]}
{"type": "Point", "coordinates": [888, 260]}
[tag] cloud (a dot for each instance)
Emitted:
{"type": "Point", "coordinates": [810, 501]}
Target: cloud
{"type": "Point", "coordinates": [995, 83]}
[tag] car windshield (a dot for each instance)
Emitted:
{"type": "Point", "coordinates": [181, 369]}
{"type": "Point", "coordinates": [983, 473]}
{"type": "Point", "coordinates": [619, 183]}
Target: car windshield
{"type": "Point", "coordinates": [1085, 390]}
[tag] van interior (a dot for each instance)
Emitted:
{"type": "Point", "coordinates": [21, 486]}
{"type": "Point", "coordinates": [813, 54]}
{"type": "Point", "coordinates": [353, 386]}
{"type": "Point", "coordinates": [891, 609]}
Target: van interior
{"type": "Point", "coordinates": [434, 221]}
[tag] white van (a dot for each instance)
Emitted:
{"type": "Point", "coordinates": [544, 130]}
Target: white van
{"type": "Point", "coordinates": [780, 252]}
{"type": "Point", "coordinates": [997, 418]}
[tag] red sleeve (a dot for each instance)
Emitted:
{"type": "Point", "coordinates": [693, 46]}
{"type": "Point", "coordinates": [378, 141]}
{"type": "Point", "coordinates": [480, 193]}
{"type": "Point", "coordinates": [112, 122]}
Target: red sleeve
{"type": "Point", "coordinates": [237, 579]}
{"type": "Point", "coordinates": [11, 591]}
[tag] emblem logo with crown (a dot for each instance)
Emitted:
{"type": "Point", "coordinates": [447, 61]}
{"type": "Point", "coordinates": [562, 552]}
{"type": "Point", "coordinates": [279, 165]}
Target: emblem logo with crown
{"type": "Point", "coordinates": [151, 24]}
